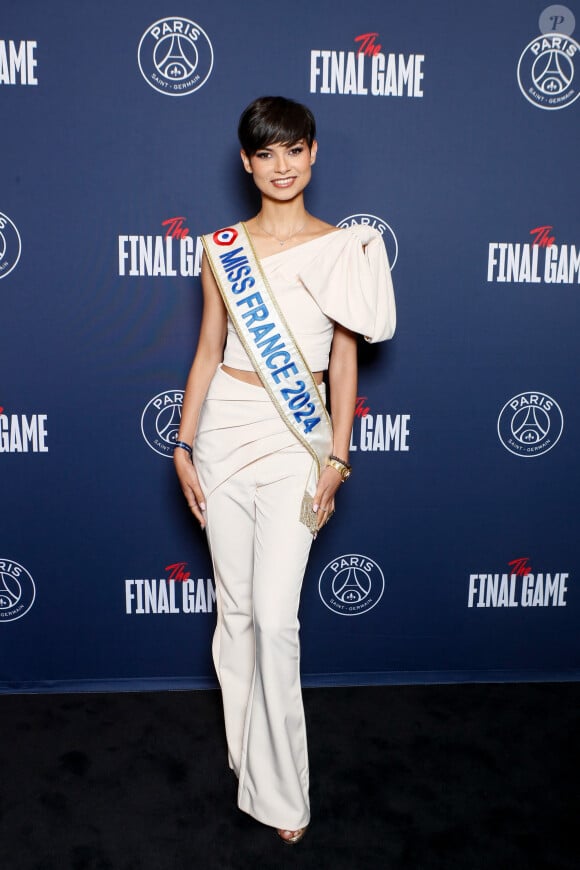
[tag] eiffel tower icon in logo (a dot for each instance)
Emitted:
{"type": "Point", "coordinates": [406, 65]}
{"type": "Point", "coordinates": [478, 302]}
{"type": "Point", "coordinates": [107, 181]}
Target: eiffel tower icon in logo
{"type": "Point", "coordinates": [175, 64]}
{"type": "Point", "coordinates": [551, 78]}
{"type": "Point", "coordinates": [168, 422]}
{"type": "Point", "coordinates": [9, 597]}
{"type": "Point", "coordinates": [351, 591]}
{"type": "Point", "coordinates": [534, 426]}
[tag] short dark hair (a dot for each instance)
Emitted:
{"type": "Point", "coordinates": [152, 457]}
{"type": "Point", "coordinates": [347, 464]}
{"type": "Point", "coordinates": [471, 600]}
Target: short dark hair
{"type": "Point", "coordinates": [273, 121]}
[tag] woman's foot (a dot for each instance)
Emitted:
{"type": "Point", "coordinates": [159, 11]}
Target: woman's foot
{"type": "Point", "coordinates": [291, 837]}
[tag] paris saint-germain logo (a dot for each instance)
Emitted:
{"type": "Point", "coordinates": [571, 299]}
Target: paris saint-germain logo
{"type": "Point", "coordinates": [377, 223]}
{"type": "Point", "coordinates": [10, 245]}
{"type": "Point", "coordinates": [351, 584]}
{"type": "Point", "coordinates": [530, 424]}
{"type": "Point", "coordinates": [548, 73]}
{"type": "Point", "coordinates": [160, 421]}
{"type": "Point", "coordinates": [175, 56]}
{"type": "Point", "coordinates": [17, 591]}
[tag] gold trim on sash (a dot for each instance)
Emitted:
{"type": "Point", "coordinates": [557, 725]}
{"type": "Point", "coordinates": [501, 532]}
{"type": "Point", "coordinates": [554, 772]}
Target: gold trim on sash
{"type": "Point", "coordinates": [291, 387]}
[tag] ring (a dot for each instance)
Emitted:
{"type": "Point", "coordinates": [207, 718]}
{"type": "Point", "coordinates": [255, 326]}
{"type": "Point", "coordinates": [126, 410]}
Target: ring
{"type": "Point", "coordinates": [324, 509]}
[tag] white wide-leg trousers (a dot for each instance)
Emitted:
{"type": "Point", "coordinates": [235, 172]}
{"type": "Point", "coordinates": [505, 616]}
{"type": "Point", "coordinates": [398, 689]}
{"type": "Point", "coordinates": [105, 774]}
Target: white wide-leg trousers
{"type": "Point", "coordinates": [253, 472]}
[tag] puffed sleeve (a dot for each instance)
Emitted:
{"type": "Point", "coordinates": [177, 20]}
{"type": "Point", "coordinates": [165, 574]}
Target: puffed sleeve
{"type": "Point", "coordinates": [350, 280]}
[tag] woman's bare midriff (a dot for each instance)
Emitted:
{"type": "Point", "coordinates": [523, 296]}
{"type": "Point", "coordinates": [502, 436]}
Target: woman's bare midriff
{"type": "Point", "coordinates": [252, 377]}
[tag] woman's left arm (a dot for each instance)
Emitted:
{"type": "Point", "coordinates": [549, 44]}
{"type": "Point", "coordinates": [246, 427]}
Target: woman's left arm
{"type": "Point", "coordinates": [342, 377]}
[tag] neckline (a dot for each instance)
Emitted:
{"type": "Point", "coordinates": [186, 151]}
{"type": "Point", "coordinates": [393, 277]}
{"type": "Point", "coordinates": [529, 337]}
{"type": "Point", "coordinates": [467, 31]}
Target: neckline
{"type": "Point", "coordinates": [301, 245]}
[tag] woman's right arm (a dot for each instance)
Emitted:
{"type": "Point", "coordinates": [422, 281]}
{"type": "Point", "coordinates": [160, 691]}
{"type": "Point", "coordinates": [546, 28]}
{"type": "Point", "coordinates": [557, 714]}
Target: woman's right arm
{"type": "Point", "coordinates": [209, 354]}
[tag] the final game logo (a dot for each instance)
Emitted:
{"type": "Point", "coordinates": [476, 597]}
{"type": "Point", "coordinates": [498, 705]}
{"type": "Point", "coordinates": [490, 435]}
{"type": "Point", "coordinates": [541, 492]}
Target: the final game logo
{"type": "Point", "coordinates": [176, 592]}
{"type": "Point", "coordinates": [366, 69]}
{"type": "Point", "coordinates": [518, 586]}
{"type": "Point", "coordinates": [170, 253]}
{"type": "Point", "coordinates": [541, 259]}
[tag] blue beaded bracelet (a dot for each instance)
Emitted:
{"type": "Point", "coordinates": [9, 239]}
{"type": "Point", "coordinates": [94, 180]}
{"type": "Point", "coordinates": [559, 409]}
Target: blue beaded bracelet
{"type": "Point", "coordinates": [184, 446]}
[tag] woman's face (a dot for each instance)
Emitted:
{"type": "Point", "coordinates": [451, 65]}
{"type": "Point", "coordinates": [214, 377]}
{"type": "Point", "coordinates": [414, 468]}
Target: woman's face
{"type": "Point", "coordinates": [281, 172]}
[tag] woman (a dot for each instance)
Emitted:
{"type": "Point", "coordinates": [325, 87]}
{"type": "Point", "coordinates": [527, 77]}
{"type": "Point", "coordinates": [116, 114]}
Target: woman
{"type": "Point", "coordinates": [247, 449]}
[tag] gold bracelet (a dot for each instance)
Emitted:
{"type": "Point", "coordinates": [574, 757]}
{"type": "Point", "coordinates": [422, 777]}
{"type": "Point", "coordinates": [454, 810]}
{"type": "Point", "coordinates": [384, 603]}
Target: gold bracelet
{"type": "Point", "coordinates": [342, 461]}
{"type": "Point", "coordinates": [343, 468]}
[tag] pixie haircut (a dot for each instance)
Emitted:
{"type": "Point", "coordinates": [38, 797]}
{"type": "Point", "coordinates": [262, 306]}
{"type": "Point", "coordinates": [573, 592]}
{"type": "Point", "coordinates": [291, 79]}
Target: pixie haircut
{"type": "Point", "coordinates": [275, 121]}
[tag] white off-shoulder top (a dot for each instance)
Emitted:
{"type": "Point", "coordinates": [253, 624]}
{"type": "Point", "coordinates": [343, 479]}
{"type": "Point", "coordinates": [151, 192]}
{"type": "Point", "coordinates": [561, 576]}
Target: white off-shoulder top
{"type": "Point", "coordinates": [341, 277]}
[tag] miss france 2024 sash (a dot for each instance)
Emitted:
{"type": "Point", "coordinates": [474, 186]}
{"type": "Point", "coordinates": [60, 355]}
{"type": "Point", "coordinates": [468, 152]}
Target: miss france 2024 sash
{"type": "Point", "coordinates": [272, 349]}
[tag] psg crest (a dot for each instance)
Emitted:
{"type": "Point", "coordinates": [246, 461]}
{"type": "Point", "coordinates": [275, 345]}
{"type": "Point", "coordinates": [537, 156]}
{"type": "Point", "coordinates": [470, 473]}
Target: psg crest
{"type": "Point", "coordinates": [351, 584]}
{"type": "Point", "coordinates": [160, 421]}
{"type": "Point", "coordinates": [547, 72]}
{"type": "Point", "coordinates": [10, 245]}
{"type": "Point", "coordinates": [175, 56]}
{"type": "Point", "coordinates": [530, 424]}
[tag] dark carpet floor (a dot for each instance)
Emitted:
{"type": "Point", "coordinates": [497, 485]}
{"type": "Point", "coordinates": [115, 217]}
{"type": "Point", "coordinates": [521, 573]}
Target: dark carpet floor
{"type": "Point", "coordinates": [422, 777]}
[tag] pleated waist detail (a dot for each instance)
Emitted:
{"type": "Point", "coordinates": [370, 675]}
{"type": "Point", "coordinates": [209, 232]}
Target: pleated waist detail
{"type": "Point", "coordinates": [238, 424]}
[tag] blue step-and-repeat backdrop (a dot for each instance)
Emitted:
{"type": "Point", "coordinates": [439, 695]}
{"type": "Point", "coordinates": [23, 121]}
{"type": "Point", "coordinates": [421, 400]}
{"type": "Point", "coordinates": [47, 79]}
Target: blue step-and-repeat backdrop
{"type": "Point", "coordinates": [452, 128]}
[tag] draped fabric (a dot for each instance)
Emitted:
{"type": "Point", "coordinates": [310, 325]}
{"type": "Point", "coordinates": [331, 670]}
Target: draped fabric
{"type": "Point", "coordinates": [342, 277]}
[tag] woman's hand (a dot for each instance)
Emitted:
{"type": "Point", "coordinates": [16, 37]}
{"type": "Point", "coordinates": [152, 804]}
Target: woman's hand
{"type": "Point", "coordinates": [323, 503]}
{"type": "Point", "coordinates": [190, 485]}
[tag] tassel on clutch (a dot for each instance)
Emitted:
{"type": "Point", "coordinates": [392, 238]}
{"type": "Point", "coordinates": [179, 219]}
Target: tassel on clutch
{"type": "Point", "coordinates": [309, 517]}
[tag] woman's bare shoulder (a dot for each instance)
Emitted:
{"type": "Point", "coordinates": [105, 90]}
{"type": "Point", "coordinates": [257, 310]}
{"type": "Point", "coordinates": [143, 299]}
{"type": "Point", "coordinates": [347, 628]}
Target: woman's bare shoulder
{"type": "Point", "coordinates": [319, 227]}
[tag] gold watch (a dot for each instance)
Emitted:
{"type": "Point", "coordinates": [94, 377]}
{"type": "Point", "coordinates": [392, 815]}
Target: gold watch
{"type": "Point", "coordinates": [343, 468]}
